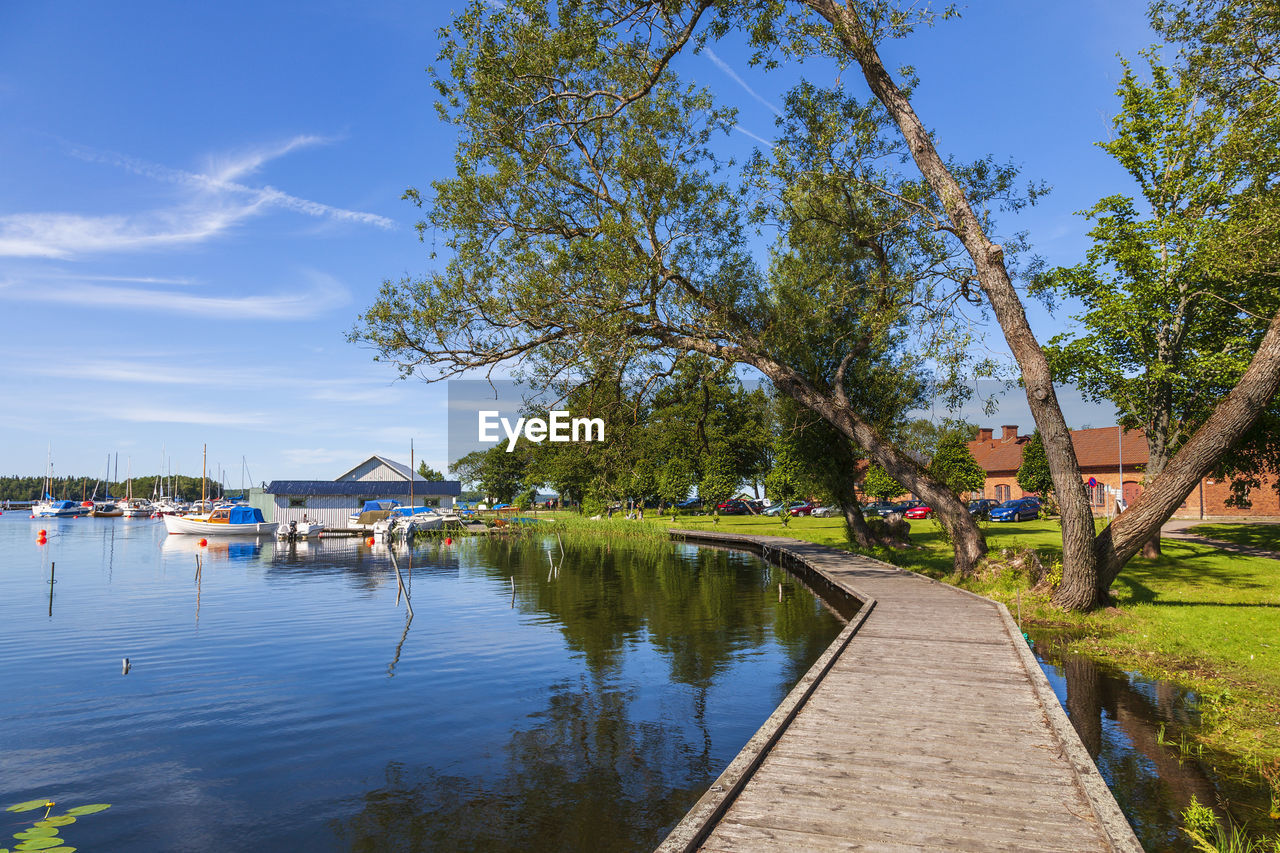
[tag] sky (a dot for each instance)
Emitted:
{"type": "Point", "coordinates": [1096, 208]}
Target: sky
{"type": "Point", "coordinates": [198, 200]}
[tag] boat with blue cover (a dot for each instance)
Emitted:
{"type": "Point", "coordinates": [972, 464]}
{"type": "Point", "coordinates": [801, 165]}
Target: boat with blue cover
{"type": "Point", "coordinates": [222, 521]}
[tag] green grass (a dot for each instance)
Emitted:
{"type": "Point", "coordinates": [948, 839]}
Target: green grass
{"type": "Point", "coordinates": [1203, 617]}
{"type": "Point", "coordinates": [1266, 536]}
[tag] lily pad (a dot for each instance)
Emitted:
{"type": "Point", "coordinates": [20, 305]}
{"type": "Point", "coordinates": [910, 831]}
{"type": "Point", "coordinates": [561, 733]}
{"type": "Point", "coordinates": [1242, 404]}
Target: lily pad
{"type": "Point", "coordinates": [39, 844]}
{"type": "Point", "coordinates": [89, 809]}
{"type": "Point", "coordinates": [36, 832]}
{"type": "Point", "coordinates": [58, 850]}
{"type": "Point", "coordinates": [56, 820]}
{"type": "Point", "coordinates": [29, 805]}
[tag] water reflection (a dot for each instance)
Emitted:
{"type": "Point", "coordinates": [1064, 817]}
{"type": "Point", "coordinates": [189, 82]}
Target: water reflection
{"type": "Point", "coordinates": [290, 691]}
{"type": "Point", "coordinates": [581, 774]}
{"type": "Point", "coordinates": [1132, 728]}
{"type": "Point", "coordinates": [216, 550]}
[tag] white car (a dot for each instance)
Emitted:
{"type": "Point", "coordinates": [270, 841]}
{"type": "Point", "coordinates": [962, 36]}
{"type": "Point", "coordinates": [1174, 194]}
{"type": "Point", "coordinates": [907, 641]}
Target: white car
{"type": "Point", "coordinates": [826, 512]}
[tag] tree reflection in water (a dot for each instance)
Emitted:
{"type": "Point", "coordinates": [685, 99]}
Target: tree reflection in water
{"type": "Point", "coordinates": [1118, 716]}
{"type": "Point", "coordinates": [582, 778]}
{"type": "Point", "coordinates": [607, 763]}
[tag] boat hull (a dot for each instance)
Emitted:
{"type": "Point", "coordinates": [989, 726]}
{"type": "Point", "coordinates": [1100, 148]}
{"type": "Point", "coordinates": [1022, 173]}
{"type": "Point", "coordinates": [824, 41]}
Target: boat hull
{"type": "Point", "coordinates": [196, 526]}
{"type": "Point", "coordinates": [303, 530]}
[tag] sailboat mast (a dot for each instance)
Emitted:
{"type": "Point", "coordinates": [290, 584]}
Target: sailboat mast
{"type": "Point", "coordinates": [204, 462]}
{"type": "Point", "coordinates": [411, 501]}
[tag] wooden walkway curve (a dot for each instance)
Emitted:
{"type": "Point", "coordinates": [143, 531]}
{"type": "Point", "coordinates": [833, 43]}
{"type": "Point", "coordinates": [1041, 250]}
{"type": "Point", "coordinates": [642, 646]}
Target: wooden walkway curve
{"type": "Point", "coordinates": [927, 725]}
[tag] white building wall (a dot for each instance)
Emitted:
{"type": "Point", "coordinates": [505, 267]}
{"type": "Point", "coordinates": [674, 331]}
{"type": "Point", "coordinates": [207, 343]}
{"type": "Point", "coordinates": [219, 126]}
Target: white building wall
{"type": "Point", "coordinates": [373, 470]}
{"type": "Point", "coordinates": [334, 511]}
{"type": "Point", "coordinates": [331, 511]}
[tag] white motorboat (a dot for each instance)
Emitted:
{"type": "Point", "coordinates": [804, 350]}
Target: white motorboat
{"type": "Point", "coordinates": [224, 521]}
{"type": "Point", "coordinates": [299, 530]}
{"type": "Point", "coordinates": [371, 513]}
{"type": "Point", "coordinates": [139, 508]}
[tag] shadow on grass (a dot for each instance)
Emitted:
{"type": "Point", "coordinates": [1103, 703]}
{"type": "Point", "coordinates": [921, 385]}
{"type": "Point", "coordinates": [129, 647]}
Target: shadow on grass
{"type": "Point", "coordinates": [1265, 536]}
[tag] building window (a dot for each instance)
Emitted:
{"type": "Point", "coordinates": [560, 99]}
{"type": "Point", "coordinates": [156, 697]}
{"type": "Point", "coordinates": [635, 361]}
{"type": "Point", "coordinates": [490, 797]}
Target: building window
{"type": "Point", "coordinates": [297, 503]}
{"type": "Point", "coordinates": [1002, 493]}
{"type": "Point", "coordinates": [1099, 495]}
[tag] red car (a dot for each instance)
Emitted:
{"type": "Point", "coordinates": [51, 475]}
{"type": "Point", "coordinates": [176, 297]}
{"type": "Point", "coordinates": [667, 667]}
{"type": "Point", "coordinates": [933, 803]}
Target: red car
{"type": "Point", "coordinates": [921, 511]}
{"type": "Point", "coordinates": [803, 509]}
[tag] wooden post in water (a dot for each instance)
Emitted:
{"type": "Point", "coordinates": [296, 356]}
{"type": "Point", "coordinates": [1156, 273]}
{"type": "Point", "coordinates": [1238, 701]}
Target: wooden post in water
{"type": "Point", "coordinates": [52, 567]}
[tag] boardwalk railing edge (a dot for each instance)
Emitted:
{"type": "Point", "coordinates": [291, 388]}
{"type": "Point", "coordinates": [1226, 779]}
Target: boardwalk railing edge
{"type": "Point", "coordinates": [698, 823]}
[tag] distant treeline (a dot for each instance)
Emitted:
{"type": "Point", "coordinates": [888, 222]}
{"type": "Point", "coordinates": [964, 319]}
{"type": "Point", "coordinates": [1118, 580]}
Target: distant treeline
{"type": "Point", "coordinates": [82, 488]}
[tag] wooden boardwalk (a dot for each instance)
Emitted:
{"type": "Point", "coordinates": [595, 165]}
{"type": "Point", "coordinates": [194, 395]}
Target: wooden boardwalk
{"type": "Point", "coordinates": [927, 725]}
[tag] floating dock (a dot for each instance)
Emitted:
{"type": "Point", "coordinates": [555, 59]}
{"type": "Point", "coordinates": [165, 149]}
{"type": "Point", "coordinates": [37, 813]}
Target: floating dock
{"type": "Point", "coordinates": [926, 725]}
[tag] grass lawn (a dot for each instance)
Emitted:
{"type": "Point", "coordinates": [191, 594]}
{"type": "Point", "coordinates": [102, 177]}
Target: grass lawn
{"type": "Point", "coordinates": [1266, 536]}
{"type": "Point", "coordinates": [1197, 615]}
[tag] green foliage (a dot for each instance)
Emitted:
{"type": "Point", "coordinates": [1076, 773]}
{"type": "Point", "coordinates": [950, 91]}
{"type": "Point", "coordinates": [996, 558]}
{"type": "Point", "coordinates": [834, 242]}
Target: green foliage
{"type": "Point", "coordinates": [1033, 473]}
{"type": "Point", "coordinates": [1175, 287]}
{"type": "Point", "coordinates": [955, 466]}
{"type": "Point", "coordinates": [880, 485]}
{"type": "Point", "coordinates": [923, 437]}
{"type": "Point", "coordinates": [17, 488]}
{"type": "Point", "coordinates": [1201, 825]}
{"type": "Point", "coordinates": [428, 473]}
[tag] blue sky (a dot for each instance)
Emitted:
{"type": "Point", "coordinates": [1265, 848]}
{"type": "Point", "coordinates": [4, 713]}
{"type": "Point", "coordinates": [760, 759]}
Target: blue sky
{"type": "Point", "coordinates": [196, 202]}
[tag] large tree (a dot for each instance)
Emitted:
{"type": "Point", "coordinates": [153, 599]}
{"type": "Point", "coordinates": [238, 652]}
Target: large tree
{"type": "Point", "coordinates": [1170, 323]}
{"type": "Point", "coordinates": [591, 224]}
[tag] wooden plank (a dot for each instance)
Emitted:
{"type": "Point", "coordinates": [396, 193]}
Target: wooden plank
{"type": "Point", "coordinates": [929, 731]}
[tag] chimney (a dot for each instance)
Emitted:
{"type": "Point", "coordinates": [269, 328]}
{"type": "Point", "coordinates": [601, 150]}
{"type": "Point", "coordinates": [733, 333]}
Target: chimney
{"type": "Point", "coordinates": [984, 434]}
{"type": "Point", "coordinates": [1010, 433]}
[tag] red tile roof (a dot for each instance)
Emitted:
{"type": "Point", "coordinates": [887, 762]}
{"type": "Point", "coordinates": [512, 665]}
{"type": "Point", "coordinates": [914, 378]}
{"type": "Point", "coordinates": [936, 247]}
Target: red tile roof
{"type": "Point", "coordinates": [1095, 448]}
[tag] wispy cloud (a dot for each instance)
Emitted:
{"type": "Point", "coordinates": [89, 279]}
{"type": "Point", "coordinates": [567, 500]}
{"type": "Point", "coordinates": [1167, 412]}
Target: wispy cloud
{"type": "Point", "coordinates": [215, 202]}
{"type": "Point", "coordinates": [185, 415]}
{"type": "Point", "coordinates": [724, 66]}
{"type": "Point", "coordinates": [315, 456]}
{"type": "Point", "coordinates": [324, 293]}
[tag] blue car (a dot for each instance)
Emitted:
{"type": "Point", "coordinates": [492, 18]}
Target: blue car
{"type": "Point", "coordinates": [1018, 509]}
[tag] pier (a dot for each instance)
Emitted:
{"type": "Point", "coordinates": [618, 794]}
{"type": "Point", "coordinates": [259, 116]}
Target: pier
{"type": "Point", "coordinates": [926, 725]}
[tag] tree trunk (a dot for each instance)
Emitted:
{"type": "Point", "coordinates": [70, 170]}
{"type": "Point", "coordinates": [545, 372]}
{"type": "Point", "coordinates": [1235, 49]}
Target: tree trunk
{"type": "Point", "coordinates": [856, 526]}
{"type": "Point", "coordinates": [1079, 559]}
{"type": "Point", "coordinates": [1194, 461]}
{"type": "Point", "coordinates": [970, 545]}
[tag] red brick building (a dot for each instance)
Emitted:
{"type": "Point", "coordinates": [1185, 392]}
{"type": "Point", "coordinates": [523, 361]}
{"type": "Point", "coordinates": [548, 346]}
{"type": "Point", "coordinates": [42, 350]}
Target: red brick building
{"type": "Point", "coordinates": [1113, 467]}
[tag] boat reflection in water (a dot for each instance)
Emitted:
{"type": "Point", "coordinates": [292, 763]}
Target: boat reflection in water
{"type": "Point", "coordinates": [215, 549]}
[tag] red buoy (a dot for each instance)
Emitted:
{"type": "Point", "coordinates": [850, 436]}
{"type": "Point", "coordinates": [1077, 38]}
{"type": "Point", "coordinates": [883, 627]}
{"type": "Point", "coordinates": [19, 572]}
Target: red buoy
{"type": "Point", "coordinates": [204, 541]}
{"type": "Point", "coordinates": [448, 540]}
{"type": "Point", "coordinates": [43, 532]}
{"type": "Point", "coordinates": [369, 541]}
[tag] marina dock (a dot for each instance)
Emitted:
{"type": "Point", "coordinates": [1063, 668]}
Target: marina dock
{"type": "Point", "coordinates": [926, 725]}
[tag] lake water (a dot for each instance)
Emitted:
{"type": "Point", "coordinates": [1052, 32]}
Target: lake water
{"type": "Point", "coordinates": [283, 698]}
{"type": "Point", "coordinates": [1135, 730]}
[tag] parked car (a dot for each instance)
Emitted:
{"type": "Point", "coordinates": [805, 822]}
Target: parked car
{"type": "Point", "coordinates": [921, 511]}
{"type": "Point", "coordinates": [733, 508]}
{"type": "Point", "coordinates": [781, 507]}
{"type": "Point", "coordinates": [1018, 509]}
{"type": "Point", "coordinates": [826, 512]}
{"type": "Point", "coordinates": [982, 507]}
{"type": "Point", "coordinates": [876, 509]}
{"type": "Point", "coordinates": [689, 505]}
{"type": "Point", "coordinates": [900, 508]}
{"type": "Point", "coordinates": [803, 509]}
